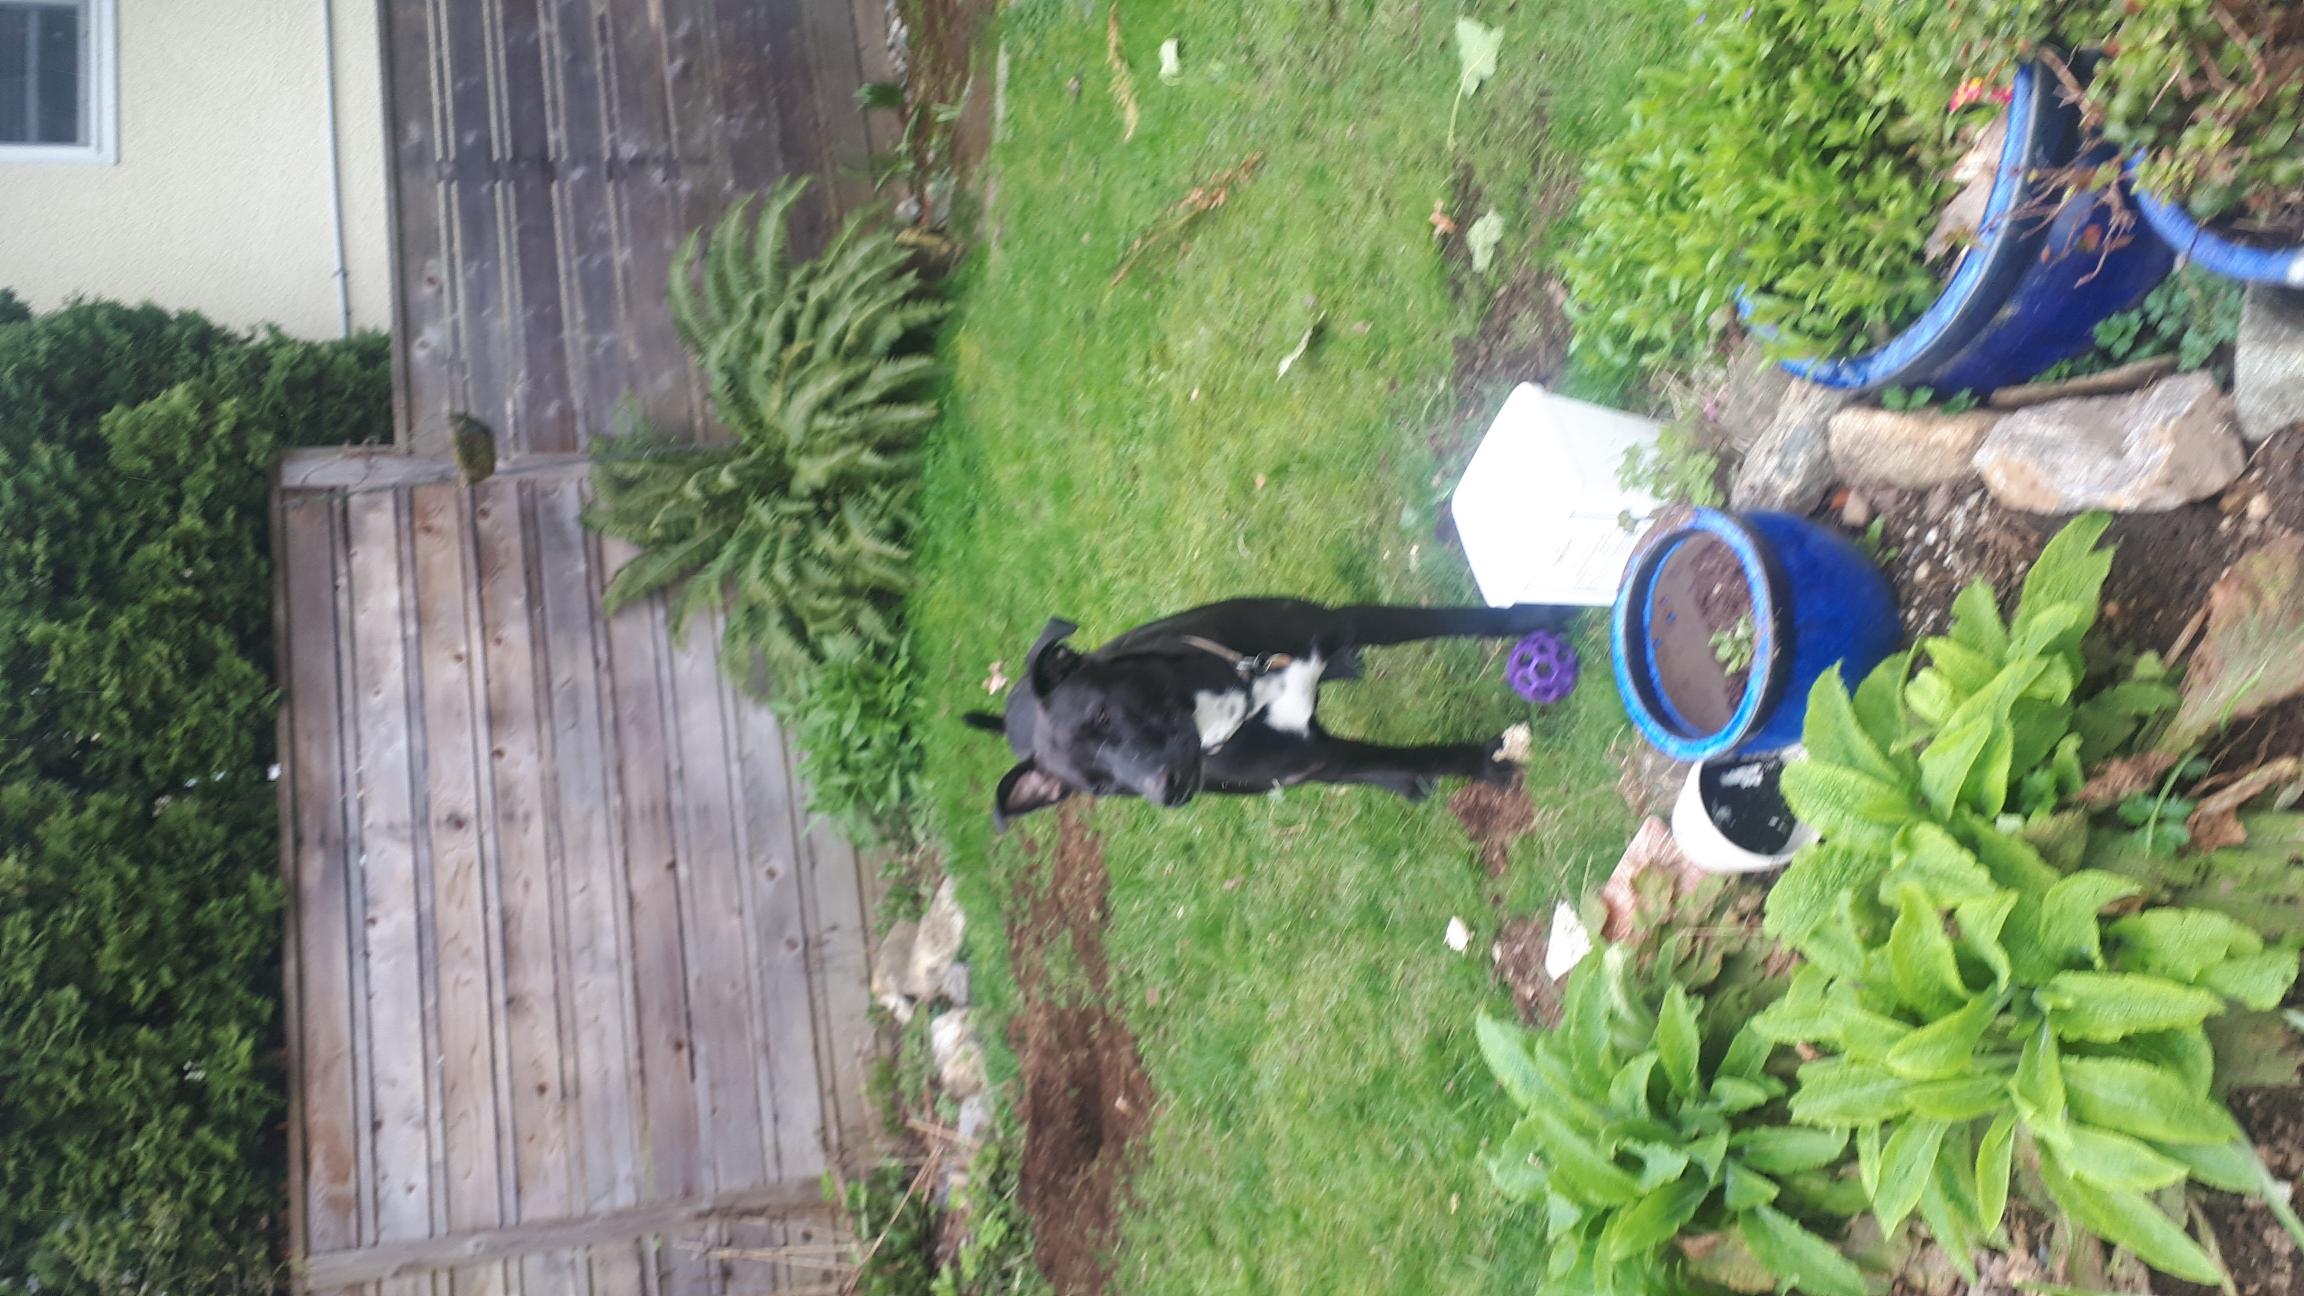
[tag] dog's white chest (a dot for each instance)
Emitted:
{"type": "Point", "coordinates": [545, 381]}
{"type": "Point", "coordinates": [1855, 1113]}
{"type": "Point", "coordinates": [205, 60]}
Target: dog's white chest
{"type": "Point", "coordinates": [1284, 698]}
{"type": "Point", "coordinates": [1219, 715]}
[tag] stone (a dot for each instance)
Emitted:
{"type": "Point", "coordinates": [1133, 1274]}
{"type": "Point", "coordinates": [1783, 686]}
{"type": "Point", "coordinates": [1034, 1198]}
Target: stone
{"type": "Point", "coordinates": [1749, 394]}
{"type": "Point", "coordinates": [1907, 449]}
{"type": "Point", "coordinates": [2145, 452]}
{"type": "Point", "coordinates": [955, 985]}
{"type": "Point", "coordinates": [938, 945]}
{"type": "Point", "coordinates": [1790, 464]}
{"type": "Point", "coordinates": [2268, 361]}
{"type": "Point", "coordinates": [2127, 378]}
{"type": "Point", "coordinates": [892, 969]}
{"type": "Point", "coordinates": [975, 1120]}
{"type": "Point", "coordinates": [959, 1056]}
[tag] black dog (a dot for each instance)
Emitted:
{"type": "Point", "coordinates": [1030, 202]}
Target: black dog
{"type": "Point", "coordinates": [1221, 699]}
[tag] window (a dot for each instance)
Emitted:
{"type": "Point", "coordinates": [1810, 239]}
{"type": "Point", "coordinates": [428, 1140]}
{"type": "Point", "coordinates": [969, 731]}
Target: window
{"type": "Point", "coordinates": [56, 78]}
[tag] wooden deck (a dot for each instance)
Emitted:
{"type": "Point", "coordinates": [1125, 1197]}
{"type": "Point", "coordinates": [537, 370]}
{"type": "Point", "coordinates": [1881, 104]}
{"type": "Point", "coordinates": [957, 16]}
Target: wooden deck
{"type": "Point", "coordinates": [575, 989]}
{"type": "Point", "coordinates": [548, 157]}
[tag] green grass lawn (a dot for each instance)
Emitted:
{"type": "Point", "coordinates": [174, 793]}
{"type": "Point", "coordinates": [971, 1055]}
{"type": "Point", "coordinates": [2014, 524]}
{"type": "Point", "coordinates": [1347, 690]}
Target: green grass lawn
{"type": "Point", "coordinates": [1115, 453]}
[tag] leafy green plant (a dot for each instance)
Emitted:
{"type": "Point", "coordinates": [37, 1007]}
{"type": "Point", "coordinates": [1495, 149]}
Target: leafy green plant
{"type": "Point", "coordinates": [855, 723]}
{"type": "Point", "coordinates": [890, 1218]}
{"type": "Point", "coordinates": [1643, 1123]}
{"type": "Point", "coordinates": [1981, 996]}
{"type": "Point", "coordinates": [1915, 398]}
{"type": "Point", "coordinates": [2213, 91]}
{"type": "Point", "coordinates": [139, 838]}
{"type": "Point", "coordinates": [1732, 647]}
{"type": "Point", "coordinates": [1798, 155]}
{"type": "Point", "coordinates": [2192, 315]}
{"type": "Point", "coordinates": [1677, 469]}
{"type": "Point", "coordinates": [796, 528]}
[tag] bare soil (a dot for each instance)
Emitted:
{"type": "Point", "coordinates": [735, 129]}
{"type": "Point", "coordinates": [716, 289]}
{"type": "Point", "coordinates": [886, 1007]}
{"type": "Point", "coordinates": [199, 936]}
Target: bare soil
{"type": "Point", "coordinates": [1699, 595]}
{"type": "Point", "coordinates": [1084, 1095]}
{"type": "Point", "coordinates": [1493, 818]}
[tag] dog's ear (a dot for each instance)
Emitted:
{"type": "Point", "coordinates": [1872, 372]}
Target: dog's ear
{"type": "Point", "coordinates": [1050, 661]}
{"type": "Point", "coordinates": [1023, 790]}
{"type": "Point", "coordinates": [985, 721]}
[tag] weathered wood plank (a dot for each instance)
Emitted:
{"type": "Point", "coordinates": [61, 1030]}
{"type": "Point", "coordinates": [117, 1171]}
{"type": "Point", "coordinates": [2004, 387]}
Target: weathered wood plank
{"type": "Point", "coordinates": [526, 872]}
{"type": "Point", "coordinates": [480, 263]}
{"type": "Point", "coordinates": [542, 398]}
{"type": "Point", "coordinates": [674, 1166]}
{"type": "Point", "coordinates": [352, 469]}
{"type": "Point", "coordinates": [423, 333]}
{"type": "Point", "coordinates": [399, 1076]}
{"type": "Point", "coordinates": [325, 1019]}
{"type": "Point", "coordinates": [828, 68]}
{"type": "Point", "coordinates": [719, 946]}
{"type": "Point", "coordinates": [842, 977]}
{"type": "Point", "coordinates": [604, 1056]}
{"type": "Point", "coordinates": [772, 832]}
{"type": "Point", "coordinates": [648, 226]}
{"type": "Point", "coordinates": [464, 913]}
{"type": "Point", "coordinates": [588, 240]}
{"type": "Point", "coordinates": [459, 1250]}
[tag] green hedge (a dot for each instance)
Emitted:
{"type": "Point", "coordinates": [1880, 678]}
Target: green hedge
{"type": "Point", "coordinates": [140, 1087]}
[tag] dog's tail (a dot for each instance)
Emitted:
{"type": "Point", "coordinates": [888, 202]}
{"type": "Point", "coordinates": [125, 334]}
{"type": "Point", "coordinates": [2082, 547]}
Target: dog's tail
{"type": "Point", "coordinates": [985, 721]}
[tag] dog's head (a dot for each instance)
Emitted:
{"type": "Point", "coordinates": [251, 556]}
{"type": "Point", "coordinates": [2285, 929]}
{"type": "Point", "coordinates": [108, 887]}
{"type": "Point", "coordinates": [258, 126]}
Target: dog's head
{"type": "Point", "coordinates": [1106, 726]}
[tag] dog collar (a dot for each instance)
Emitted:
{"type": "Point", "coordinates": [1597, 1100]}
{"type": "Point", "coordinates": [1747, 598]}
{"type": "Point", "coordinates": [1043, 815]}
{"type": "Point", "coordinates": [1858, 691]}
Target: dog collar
{"type": "Point", "coordinates": [1244, 665]}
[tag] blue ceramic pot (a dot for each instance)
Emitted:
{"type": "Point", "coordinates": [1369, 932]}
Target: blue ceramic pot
{"type": "Point", "coordinates": [2251, 263]}
{"type": "Point", "coordinates": [1816, 600]}
{"type": "Point", "coordinates": [2043, 272]}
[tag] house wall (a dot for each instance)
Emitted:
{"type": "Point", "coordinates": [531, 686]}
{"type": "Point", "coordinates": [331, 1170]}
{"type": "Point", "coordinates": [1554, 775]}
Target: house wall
{"type": "Point", "coordinates": [219, 201]}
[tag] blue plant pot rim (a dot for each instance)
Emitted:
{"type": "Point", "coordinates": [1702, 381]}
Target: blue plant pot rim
{"type": "Point", "coordinates": [1964, 291]}
{"type": "Point", "coordinates": [2252, 262]}
{"type": "Point", "coordinates": [1651, 710]}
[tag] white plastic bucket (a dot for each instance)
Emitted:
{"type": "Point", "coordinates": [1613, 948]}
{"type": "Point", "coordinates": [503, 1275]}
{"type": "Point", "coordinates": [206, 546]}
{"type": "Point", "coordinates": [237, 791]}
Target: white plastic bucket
{"type": "Point", "coordinates": [1539, 509]}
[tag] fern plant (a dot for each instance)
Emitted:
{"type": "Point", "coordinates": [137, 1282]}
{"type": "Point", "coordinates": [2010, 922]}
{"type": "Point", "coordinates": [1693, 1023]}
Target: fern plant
{"type": "Point", "coordinates": [796, 526]}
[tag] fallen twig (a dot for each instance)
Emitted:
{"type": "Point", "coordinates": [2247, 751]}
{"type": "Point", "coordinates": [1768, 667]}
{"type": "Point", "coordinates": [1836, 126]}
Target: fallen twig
{"type": "Point", "coordinates": [1203, 199]}
{"type": "Point", "coordinates": [1123, 82]}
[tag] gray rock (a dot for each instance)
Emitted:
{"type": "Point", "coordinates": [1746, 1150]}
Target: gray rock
{"type": "Point", "coordinates": [975, 1118]}
{"type": "Point", "coordinates": [1750, 390]}
{"type": "Point", "coordinates": [892, 969]}
{"type": "Point", "coordinates": [955, 985]}
{"type": "Point", "coordinates": [2268, 361]}
{"type": "Point", "coordinates": [1789, 466]}
{"type": "Point", "coordinates": [938, 944]}
{"type": "Point", "coordinates": [2146, 452]}
{"type": "Point", "coordinates": [2126, 378]}
{"type": "Point", "coordinates": [1907, 449]}
{"type": "Point", "coordinates": [959, 1056]}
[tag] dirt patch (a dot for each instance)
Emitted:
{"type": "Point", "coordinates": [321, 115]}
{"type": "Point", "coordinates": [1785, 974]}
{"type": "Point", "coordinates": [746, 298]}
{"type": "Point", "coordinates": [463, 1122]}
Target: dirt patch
{"type": "Point", "coordinates": [1933, 543]}
{"type": "Point", "coordinates": [1521, 944]}
{"type": "Point", "coordinates": [1524, 330]}
{"type": "Point", "coordinates": [1084, 1095]}
{"type": "Point", "coordinates": [1494, 818]}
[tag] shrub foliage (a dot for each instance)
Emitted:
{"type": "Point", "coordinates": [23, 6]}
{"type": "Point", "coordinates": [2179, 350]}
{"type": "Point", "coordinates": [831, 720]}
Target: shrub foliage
{"type": "Point", "coordinates": [139, 891]}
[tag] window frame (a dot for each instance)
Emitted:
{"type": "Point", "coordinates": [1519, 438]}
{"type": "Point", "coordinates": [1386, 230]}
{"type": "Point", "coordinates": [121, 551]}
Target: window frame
{"type": "Point", "coordinates": [101, 97]}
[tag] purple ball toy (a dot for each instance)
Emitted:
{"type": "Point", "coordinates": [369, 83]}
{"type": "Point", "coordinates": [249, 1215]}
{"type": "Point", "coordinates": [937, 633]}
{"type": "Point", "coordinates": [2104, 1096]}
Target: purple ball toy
{"type": "Point", "coordinates": [1542, 668]}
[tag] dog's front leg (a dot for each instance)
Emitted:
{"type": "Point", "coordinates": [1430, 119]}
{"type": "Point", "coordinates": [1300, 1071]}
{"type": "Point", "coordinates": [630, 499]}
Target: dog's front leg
{"type": "Point", "coordinates": [1409, 771]}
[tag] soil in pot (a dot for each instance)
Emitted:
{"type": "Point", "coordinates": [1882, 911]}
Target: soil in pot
{"type": "Point", "coordinates": [1700, 627]}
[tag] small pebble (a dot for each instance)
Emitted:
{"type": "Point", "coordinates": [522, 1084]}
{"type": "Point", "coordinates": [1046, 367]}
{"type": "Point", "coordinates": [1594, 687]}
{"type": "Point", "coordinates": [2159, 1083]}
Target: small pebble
{"type": "Point", "coordinates": [1856, 512]}
{"type": "Point", "coordinates": [2259, 508]}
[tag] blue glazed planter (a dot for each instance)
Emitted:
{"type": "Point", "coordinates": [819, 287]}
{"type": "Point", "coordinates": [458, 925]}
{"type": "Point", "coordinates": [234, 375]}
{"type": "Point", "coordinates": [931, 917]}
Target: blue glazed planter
{"type": "Point", "coordinates": [1816, 601]}
{"type": "Point", "coordinates": [2213, 252]}
{"type": "Point", "coordinates": [2031, 290]}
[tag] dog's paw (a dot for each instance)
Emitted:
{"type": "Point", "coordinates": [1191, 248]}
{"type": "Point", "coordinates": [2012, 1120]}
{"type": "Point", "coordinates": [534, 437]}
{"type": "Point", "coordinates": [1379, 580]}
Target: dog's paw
{"type": "Point", "coordinates": [1499, 771]}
